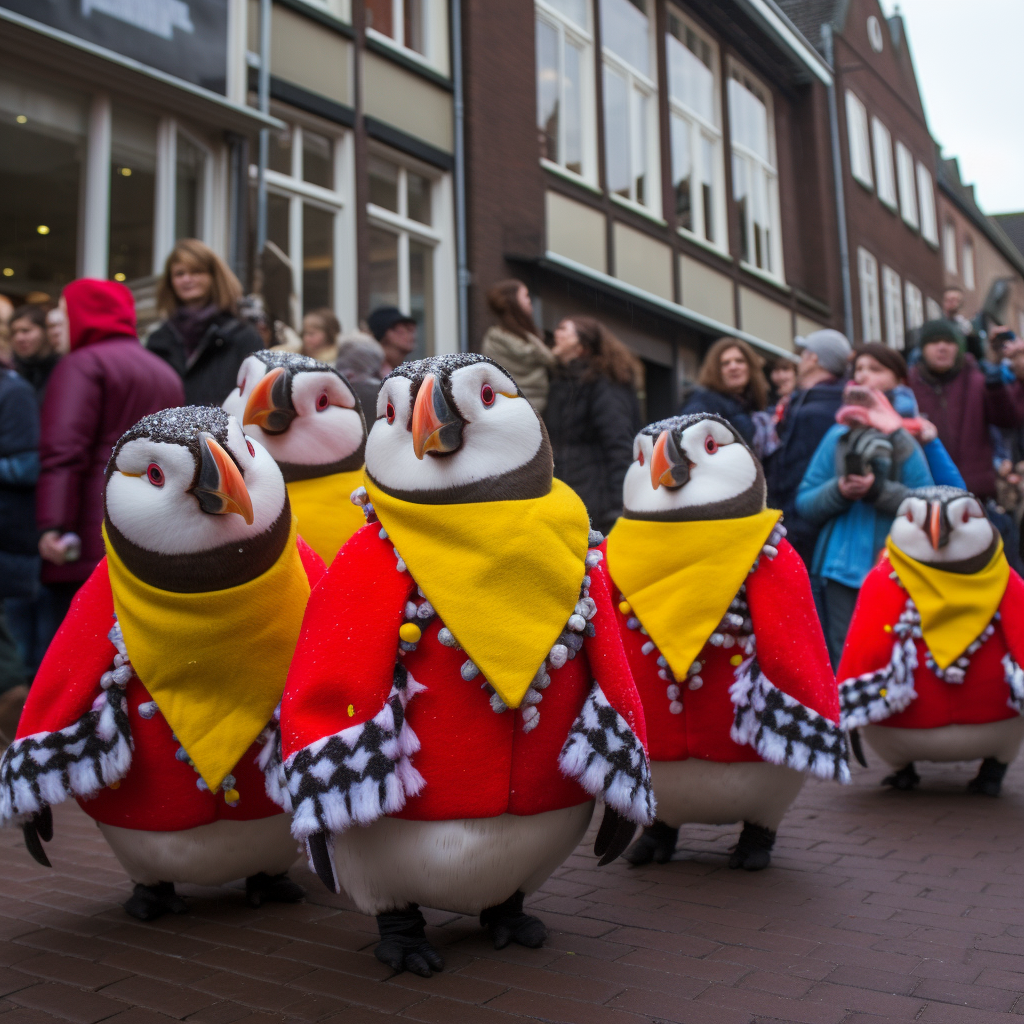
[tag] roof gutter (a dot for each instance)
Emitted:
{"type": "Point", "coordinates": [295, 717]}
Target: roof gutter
{"type": "Point", "coordinates": [782, 30]}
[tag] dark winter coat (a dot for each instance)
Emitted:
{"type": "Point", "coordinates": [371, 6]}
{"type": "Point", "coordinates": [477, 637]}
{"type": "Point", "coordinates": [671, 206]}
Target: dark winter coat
{"type": "Point", "coordinates": [962, 404]}
{"type": "Point", "coordinates": [211, 372]}
{"type": "Point", "coordinates": [592, 422]}
{"type": "Point", "coordinates": [37, 372]}
{"type": "Point", "coordinates": [19, 467]}
{"type": "Point", "coordinates": [726, 406]}
{"type": "Point", "coordinates": [809, 415]}
{"type": "Point", "coordinates": [105, 385]}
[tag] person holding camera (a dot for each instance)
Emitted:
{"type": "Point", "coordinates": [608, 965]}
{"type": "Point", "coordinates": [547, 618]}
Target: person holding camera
{"type": "Point", "coordinates": [856, 480]}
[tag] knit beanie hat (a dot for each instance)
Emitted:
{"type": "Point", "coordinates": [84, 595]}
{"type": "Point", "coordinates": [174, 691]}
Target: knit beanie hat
{"type": "Point", "coordinates": [941, 330]}
{"type": "Point", "coordinates": [888, 357]}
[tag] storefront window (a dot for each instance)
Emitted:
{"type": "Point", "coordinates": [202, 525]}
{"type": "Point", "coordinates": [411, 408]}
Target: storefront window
{"type": "Point", "coordinates": [188, 189]}
{"type": "Point", "coordinates": [317, 257]}
{"type": "Point", "coordinates": [132, 194]}
{"type": "Point", "coordinates": [42, 155]}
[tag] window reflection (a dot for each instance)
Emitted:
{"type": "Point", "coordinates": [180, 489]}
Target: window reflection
{"type": "Point", "coordinates": [132, 195]}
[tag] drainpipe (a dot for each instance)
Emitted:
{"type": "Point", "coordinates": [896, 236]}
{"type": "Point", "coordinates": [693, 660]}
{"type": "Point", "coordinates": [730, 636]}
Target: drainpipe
{"type": "Point", "coordinates": [264, 104]}
{"type": "Point", "coordinates": [460, 178]}
{"type": "Point", "coordinates": [837, 174]}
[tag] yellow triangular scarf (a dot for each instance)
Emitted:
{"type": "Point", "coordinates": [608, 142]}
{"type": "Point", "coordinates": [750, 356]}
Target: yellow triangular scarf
{"type": "Point", "coordinates": [504, 576]}
{"type": "Point", "coordinates": [955, 607]}
{"type": "Point", "coordinates": [680, 578]}
{"type": "Point", "coordinates": [215, 663]}
{"type": "Point", "coordinates": [326, 516]}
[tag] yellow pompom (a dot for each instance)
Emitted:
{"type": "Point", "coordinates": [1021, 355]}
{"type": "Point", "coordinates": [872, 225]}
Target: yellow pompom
{"type": "Point", "coordinates": [883, 693]}
{"type": "Point", "coordinates": [232, 796]}
{"type": "Point", "coordinates": [114, 785]}
{"type": "Point", "coordinates": [351, 711]}
{"type": "Point", "coordinates": [410, 633]}
{"type": "Point", "coordinates": [625, 607]}
{"type": "Point", "coordinates": [736, 659]}
{"type": "Point", "coordinates": [887, 628]}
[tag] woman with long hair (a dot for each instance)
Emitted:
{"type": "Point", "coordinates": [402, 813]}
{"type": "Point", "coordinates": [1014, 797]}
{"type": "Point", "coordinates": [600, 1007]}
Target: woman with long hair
{"type": "Point", "coordinates": [593, 414]}
{"type": "Point", "coordinates": [515, 341]}
{"type": "Point", "coordinates": [202, 338]}
{"type": "Point", "coordinates": [320, 332]}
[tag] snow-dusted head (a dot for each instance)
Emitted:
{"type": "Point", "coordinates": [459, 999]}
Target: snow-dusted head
{"type": "Point", "coordinates": [944, 526]}
{"type": "Point", "coordinates": [303, 411]}
{"type": "Point", "coordinates": [691, 468]}
{"type": "Point", "coordinates": [193, 504]}
{"type": "Point", "coordinates": [457, 428]}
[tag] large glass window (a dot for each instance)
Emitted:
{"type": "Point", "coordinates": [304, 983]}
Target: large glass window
{"type": "Point", "coordinates": [870, 312]}
{"type": "Point", "coordinates": [908, 191]}
{"type": "Point", "coordinates": [894, 335]}
{"type": "Point", "coordinates": [860, 146]}
{"type": "Point", "coordinates": [133, 147]}
{"type": "Point", "coordinates": [949, 247]}
{"type": "Point", "coordinates": [696, 136]}
{"type": "Point", "coordinates": [630, 101]}
{"type": "Point", "coordinates": [755, 178]}
{"type": "Point", "coordinates": [926, 200]}
{"type": "Point", "coordinates": [968, 263]}
{"type": "Point", "coordinates": [189, 190]}
{"type": "Point", "coordinates": [42, 154]}
{"type": "Point", "coordinates": [404, 21]}
{"type": "Point", "coordinates": [565, 92]}
{"type": "Point", "coordinates": [914, 305]}
{"type": "Point", "coordinates": [883, 163]}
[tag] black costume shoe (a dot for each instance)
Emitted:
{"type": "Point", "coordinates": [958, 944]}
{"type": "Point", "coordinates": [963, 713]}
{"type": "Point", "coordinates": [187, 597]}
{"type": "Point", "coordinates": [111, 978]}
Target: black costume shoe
{"type": "Point", "coordinates": [989, 780]}
{"type": "Point", "coordinates": [657, 843]}
{"type": "Point", "coordinates": [264, 888]}
{"type": "Point", "coordinates": [148, 902]}
{"type": "Point", "coordinates": [905, 779]}
{"type": "Point", "coordinates": [507, 923]}
{"type": "Point", "coordinates": [753, 851]}
{"type": "Point", "coordinates": [403, 943]}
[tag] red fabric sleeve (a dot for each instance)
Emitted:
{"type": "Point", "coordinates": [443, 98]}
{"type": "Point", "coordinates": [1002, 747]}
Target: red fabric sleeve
{"type": "Point", "coordinates": [790, 645]}
{"type": "Point", "coordinates": [68, 679]}
{"type": "Point", "coordinates": [343, 667]}
{"type": "Point", "coordinates": [869, 644]}
{"type": "Point", "coordinates": [607, 656]}
{"type": "Point", "coordinates": [311, 562]}
{"type": "Point", "coordinates": [1011, 615]}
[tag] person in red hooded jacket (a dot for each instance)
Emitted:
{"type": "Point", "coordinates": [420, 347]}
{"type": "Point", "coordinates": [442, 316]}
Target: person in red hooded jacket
{"type": "Point", "coordinates": [105, 385]}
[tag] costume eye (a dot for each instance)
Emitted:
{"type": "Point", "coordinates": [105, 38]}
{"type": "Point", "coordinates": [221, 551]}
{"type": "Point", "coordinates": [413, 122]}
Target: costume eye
{"type": "Point", "coordinates": [252, 451]}
{"type": "Point", "coordinates": [487, 395]}
{"type": "Point", "coordinates": [322, 402]}
{"type": "Point", "coordinates": [967, 514]}
{"type": "Point", "coordinates": [390, 412]}
{"type": "Point", "coordinates": [155, 475]}
{"type": "Point", "coordinates": [910, 516]}
{"type": "Point", "coordinates": [640, 458]}
{"type": "Point", "coordinates": [710, 445]}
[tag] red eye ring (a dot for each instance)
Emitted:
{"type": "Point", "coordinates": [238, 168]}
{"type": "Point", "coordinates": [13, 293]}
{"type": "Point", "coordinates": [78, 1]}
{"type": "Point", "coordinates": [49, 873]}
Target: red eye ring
{"type": "Point", "coordinates": [910, 516]}
{"type": "Point", "coordinates": [710, 445]}
{"type": "Point", "coordinates": [967, 515]}
{"type": "Point", "coordinates": [322, 402]}
{"type": "Point", "coordinates": [487, 395]}
{"type": "Point", "coordinates": [390, 413]}
{"type": "Point", "coordinates": [252, 451]}
{"type": "Point", "coordinates": [640, 457]}
{"type": "Point", "coordinates": [155, 475]}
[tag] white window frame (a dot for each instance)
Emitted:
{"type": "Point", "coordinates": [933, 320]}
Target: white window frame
{"type": "Point", "coordinates": [435, 34]}
{"type": "Point", "coordinates": [339, 201]}
{"type": "Point", "coordinates": [967, 260]}
{"type": "Point", "coordinates": [567, 29]}
{"type": "Point", "coordinates": [440, 236]}
{"type": "Point", "coordinates": [638, 84]}
{"type": "Point", "coordinates": [859, 139]}
{"type": "Point", "coordinates": [892, 291]}
{"type": "Point", "coordinates": [950, 258]}
{"type": "Point", "coordinates": [881, 139]}
{"type": "Point", "coordinates": [699, 128]}
{"type": "Point", "coordinates": [870, 310]}
{"type": "Point", "coordinates": [926, 202]}
{"type": "Point", "coordinates": [913, 302]}
{"type": "Point", "coordinates": [776, 269]}
{"type": "Point", "coordinates": [932, 309]}
{"type": "Point", "coordinates": [907, 185]}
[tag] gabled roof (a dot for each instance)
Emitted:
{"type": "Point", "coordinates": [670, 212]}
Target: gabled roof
{"type": "Point", "coordinates": [1013, 225]}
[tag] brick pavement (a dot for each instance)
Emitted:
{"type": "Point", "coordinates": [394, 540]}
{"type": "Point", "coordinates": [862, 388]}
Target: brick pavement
{"type": "Point", "coordinates": [879, 907]}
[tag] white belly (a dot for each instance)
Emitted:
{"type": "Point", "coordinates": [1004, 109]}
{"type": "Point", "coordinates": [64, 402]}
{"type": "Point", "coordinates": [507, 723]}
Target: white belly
{"type": "Point", "coordinates": [462, 866]}
{"type": "Point", "coordinates": [207, 855]}
{"type": "Point", "coordinates": [898, 747]}
{"type": "Point", "coordinates": [715, 793]}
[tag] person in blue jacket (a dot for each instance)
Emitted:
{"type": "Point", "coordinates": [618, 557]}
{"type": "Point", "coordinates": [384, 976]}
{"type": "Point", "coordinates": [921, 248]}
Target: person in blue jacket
{"type": "Point", "coordinates": [855, 482]}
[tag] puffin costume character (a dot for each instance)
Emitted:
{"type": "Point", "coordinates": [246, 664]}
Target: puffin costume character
{"type": "Point", "coordinates": [931, 670]}
{"type": "Point", "coordinates": [459, 695]}
{"type": "Point", "coordinates": [719, 626]}
{"type": "Point", "coordinates": [154, 698]}
{"type": "Point", "coordinates": [308, 417]}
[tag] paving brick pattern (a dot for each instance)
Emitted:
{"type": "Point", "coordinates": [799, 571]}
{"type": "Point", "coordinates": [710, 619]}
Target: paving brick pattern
{"type": "Point", "coordinates": [879, 907]}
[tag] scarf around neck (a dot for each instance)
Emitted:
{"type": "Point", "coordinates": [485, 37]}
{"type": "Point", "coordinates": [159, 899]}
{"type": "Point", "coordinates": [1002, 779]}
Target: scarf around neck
{"type": "Point", "coordinates": [680, 578]}
{"type": "Point", "coordinates": [326, 517]}
{"type": "Point", "coordinates": [504, 576]}
{"type": "Point", "coordinates": [216, 662]}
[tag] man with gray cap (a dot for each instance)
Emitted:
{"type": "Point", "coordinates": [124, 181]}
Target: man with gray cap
{"type": "Point", "coordinates": [807, 417]}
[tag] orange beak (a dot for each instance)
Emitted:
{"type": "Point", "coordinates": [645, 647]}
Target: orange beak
{"type": "Point", "coordinates": [936, 534]}
{"type": "Point", "coordinates": [269, 406]}
{"type": "Point", "coordinates": [221, 489]}
{"type": "Point", "coordinates": [669, 468]}
{"type": "Point", "coordinates": [435, 428]}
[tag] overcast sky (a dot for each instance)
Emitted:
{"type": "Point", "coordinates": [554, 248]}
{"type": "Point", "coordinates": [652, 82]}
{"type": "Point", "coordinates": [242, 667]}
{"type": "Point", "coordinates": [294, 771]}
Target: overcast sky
{"type": "Point", "coordinates": [968, 59]}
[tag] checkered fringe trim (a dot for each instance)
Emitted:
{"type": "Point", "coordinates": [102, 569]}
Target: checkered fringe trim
{"type": "Point", "coordinates": [875, 696]}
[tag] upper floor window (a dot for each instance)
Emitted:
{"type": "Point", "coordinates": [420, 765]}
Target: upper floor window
{"type": "Point", "coordinates": [949, 247]}
{"type": "Point", "coordinates": [926, 201]}
{"type": "Point", "coordinates": [630, 102]}
{"type": "Point", "coordinates": [908, 193]}
{"type": "Point", "coordinates": [968, 262]}
{"type": "Point", "coordinates": [870, 312]}
{"type": "Point", "coordinates": [860, 146]}
{"type": "Point", "coordinates": [565, 89]}
{"type": "Point", "coordinates": [696, 134]}
{"type": "Point", "coordinates": [883, 163]}
{"type": "Point", "coordinates": [755, 180]}
{"type": "Point", "coordinates": [417, 26]}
